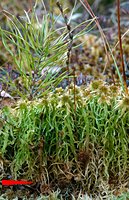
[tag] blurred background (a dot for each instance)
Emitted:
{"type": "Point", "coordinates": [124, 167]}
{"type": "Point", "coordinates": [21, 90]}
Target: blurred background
{"type": "Point", "coordinates": [93, 51]}
{"type": "Point", "coordinates": [104, 9]}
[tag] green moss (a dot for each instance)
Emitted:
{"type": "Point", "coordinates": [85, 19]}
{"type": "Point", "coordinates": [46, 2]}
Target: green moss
{"type": "Point", "coordinates": [52, 135]}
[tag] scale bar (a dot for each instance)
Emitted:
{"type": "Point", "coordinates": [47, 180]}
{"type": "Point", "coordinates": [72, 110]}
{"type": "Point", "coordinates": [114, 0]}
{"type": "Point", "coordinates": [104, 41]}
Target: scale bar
{"type": "Point", "coordinates": [15, 182]}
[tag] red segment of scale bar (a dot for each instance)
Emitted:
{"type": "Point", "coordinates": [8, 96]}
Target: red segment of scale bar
{"type": "Point", "coordinates": [14, 182]}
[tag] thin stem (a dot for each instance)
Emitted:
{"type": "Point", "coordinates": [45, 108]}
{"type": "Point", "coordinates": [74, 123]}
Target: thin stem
{"type": "Point", "coordinates": [30, 6]}
{"type": "Point", "coordinates": [70, 34]}
{"type": "Point", "coordinates": [74, 90]}
{"type": "Point", "coordinates": [120, 43]}
{"type": "Point", "coordinates": [106, 45]}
